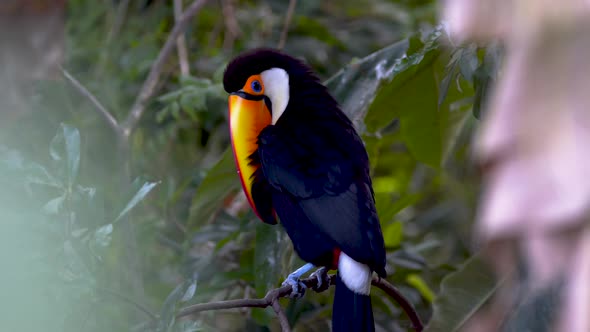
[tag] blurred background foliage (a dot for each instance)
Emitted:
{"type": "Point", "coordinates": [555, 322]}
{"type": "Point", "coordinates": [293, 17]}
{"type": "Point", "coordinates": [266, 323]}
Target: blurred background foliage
{"type": "Point", "coordinates": [119, 235]}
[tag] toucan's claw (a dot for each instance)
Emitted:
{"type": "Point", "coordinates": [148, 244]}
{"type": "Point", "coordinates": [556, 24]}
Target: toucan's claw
{"type": "Point", "coordinates": [298, 288]}
{"type": "Point", "coordinates": [321, 275]}
{"type": "Point", "coordinates": [296, 284]}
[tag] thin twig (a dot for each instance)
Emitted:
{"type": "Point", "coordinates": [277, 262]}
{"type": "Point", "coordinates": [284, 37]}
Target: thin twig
{"type": "Point", "coordinates": [115, 29]}
{"type": "Point", "coordinates": [119, 19]}
{"type": "Point", "coordinates": [106, 115]}
{"type": "Point", "coordinates": [264, 302]}
{"type": "Point", "coordinates": [285, 31]}
{"type": "Point", "coordinates": [284, 291]}
{"type": "Point", "coordinates": [181, 42]}
{"type": "Point", "coordinates": [390, 290]}
{"type": "Point", "coordinates": [214, 34]}
{"type": "Point", "coordinates": [276, 306]}
{"type": "Point", "coordinates": [232, 29]}
{"type": "Point", "coordinates": [149, 85]}
{"type": "Point", "coordinates": [127, 299]}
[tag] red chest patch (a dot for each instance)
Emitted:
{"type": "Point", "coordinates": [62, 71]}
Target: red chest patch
{"type": "Point", "coordinates": [335, 258]}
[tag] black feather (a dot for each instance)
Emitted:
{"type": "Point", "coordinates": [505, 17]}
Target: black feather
{"type": "Point", "coordinates": [261, 192]}
{"type": "Point", "coordinates": [352, 312]}
{"type": "Point", "coordinates": [256, 61]}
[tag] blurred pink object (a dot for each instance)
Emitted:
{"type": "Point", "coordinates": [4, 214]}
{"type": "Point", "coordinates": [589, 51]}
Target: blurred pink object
{"type": "Point", "coordinates": [534, 143]}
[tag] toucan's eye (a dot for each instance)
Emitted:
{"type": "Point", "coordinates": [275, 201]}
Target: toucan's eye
{"type": "Point", "coordinates": [256, 86]}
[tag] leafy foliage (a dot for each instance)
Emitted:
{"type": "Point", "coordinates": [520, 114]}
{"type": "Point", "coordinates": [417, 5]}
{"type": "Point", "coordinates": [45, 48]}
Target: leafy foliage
{"type": "Point", "coordinates": [69, 239]}
{"type": "Point", "coordinates": [119, 254]}
{"type": "Point", "coordinates": [462, 294]}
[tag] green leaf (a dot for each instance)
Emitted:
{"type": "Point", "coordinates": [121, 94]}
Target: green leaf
{"type": "Point", "coordinates": [221, 180]}
{"type": "Point", "coordinates": [419, 118]}
{"type": "Point", "coordinates": [267, 255]}
{"type": "Point", "coordinates": [263, 317]}
{"type": "Point", "coordinates": [171, 96]}
{"type": "Point", "coordinates": [188, 326]}
{"type": "Point", "coordinates": [162, 114]}
{"type": "Point", "coordinates": [451, 73]}
{"type": "Point", "coordinates": [393, 234]}
{"type": "Point", "coordinates": [190, 291]}
{"type": "Point", "coordinates": [356, 85]}
{"type": "Point", "coordinates": [387, 208]}
{"type": "Point", "coordinates": [56, 147]}
{"type": "Point", "coordinates": [138, 197]}
{"type": "Point", "coordinates": [104, 235]}
{"type": "Point", "coordinates": [455, 112]}
{"type": "Point", "coordinates": [188, 107]}
{"type": "Point", "coordinates": [175, 110]}
{"type": "Point", "coordinates": [65, 145]}
{"type": "Point", "coordinates": [267, 267]}
{"type": "Point", "coordinates": [485, 77]}
{"type": "Point", "coordinates": [405, 201]}
{"type": "Point", "coordinates": [417, 282]}
{"type": "Point", "coordinates": [193, 102]}
{"type": "Point", "coordinates": [431, 111]}
{"type": "Point", "coordinates": [37, 174]}
{"type": "Point", "coordinates": [183, 291]}
{"type": "Point", "coordinates": [386, 184]}
{"type": "Point", "coordinates": [411, 94]}
{"type": "Point", "coordinates": [307, 26]}
{"type": "Point", "coordinates": [195, 81]}
{"type": "Point", "coordinates": [88, 192]}
{"type": "Point", "coordinates": [402, 72]}
{"type": "Point", "coordinates": [54, 206]}
{"type": "Point", "coordinates": [468, 62]}
{"type": "Point", "coordinates": [72, 140]}
{"type": "Point", "coordinates": [462, 293]}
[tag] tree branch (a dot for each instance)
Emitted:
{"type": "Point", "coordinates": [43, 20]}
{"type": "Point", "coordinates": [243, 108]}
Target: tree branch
{"type": "Point", "coordinates": [232, 29]}
{"type": "Point", "coordinates": [181, 42]}
{"type": "Point", "coordinates": [390, 290]}
{"type": "Point", "coordinates": [149, 85]}
{"type": "Point", "coordinates": [285, 31]}
{"type": "Point", "coordinates": [106, 115]}
{"type": "Point", "coordinates": [281, 315]}
{"type": "Point", "coordinates": [119, 19]}
{"type": "Point", "coordinates": [274, 295]}
{"type": "Point", "coordinates": [116, 25]}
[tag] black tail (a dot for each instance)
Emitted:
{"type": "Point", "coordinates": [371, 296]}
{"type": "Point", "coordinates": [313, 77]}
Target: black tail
{"type": "Point", "coordinates": [352, 312]}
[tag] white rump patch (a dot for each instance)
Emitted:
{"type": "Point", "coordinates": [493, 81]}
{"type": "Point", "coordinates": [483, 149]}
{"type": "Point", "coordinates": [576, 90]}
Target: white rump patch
{"type": "Point", "coordinates": [276, 87]}
{"type": "Point", "coordinates": [356, 276]}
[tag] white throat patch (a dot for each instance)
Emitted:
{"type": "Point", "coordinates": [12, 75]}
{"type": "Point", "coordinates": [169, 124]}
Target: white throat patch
{"type": "Point", "coordinates": [276, 87]}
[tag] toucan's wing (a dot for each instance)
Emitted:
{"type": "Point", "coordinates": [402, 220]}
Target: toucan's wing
{"type": "Point", "coordinates": [325, 175]}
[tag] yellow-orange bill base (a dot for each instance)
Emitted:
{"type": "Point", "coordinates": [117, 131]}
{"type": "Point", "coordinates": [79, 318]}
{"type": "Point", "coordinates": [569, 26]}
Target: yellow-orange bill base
{"type": "Point", "coordinates": [247, 118]}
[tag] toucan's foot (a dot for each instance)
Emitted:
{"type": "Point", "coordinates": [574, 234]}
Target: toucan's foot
{"type": "Point", "coordinates": [293, 280]}
{"type": "Point", "coordinates": [298, 288]}
{"type": "Point", "coordinates": [321, 275]}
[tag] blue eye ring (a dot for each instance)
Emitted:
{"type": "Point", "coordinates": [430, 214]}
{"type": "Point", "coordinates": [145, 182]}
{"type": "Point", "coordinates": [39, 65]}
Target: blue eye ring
{"type": "Point", "coordinates": [256, 86]}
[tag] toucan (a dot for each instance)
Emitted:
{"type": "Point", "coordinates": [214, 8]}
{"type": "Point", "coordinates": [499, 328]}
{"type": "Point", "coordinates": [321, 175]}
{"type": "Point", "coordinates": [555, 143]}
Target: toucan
{"type": "Point", "coordinates": [301, 161]}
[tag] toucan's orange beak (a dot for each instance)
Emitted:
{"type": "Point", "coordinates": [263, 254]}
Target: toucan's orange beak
{"type": "Point", "coordinates": [247, 118]}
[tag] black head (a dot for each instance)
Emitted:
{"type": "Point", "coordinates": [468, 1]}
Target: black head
{"type": "Point", "coordinates": [289, 86]}
{"type": "Point", "coordinates": [256, 61]}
